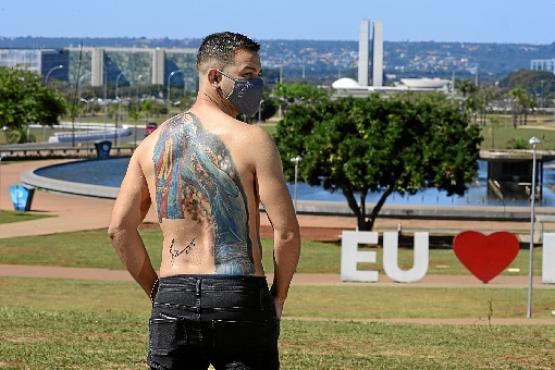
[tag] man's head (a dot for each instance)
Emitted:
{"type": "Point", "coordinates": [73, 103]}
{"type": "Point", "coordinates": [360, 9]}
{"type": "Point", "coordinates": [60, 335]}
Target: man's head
{"type": "Point", "coordinates": [225, 60]}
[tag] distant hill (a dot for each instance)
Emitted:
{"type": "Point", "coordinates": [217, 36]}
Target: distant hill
{"type": "Point", "coordinates": [327, 60]}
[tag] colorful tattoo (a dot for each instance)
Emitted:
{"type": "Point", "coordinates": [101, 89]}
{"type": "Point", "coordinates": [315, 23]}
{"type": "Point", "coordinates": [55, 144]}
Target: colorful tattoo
{"type": "Point", "coordinates": [197, 179]}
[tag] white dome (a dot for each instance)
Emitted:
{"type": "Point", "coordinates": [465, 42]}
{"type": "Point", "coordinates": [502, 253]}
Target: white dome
{"type": "Point", "coordinates": [426, 83]}
{"type": "Point", "coordinates": [345, 83]}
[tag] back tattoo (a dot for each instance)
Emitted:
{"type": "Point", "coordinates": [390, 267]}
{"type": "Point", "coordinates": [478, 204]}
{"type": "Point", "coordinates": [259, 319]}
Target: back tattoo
{"type": "Point", "coordinates": [196, 179]}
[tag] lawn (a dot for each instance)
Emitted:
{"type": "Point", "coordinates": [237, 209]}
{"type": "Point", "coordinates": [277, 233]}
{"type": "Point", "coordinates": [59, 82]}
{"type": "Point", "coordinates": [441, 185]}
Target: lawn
{"type": "Point", "coordinates": [51, 323]}
{"type": "Point", "coordinates": [17, 216]}
{"type": "Point", "coordinates": [497, 136]}
{"type": "Point", "coordinates": [93, 249]}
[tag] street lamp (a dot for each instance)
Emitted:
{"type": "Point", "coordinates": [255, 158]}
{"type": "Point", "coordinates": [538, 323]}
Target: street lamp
{"type": "Point", "coordinates": [117, 83]}
{"type": "Point", "coordinates": [139, 78]}
{"type": "Point", "coordinates": [50, 71]}
{"type": "Point", "coordinates": [117, 101]}
{"type": "Point", "coordinates": [296, 159]}
{"type": "Point", "coordinates": [534, 141]}
{"type": "Point", "coordinates": [260, 110]}
{"type": "Point", "coordinates": [169, 86]}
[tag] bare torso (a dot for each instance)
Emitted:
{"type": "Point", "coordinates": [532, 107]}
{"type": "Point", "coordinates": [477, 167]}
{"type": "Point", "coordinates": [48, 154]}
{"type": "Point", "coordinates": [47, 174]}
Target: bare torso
{"type": "Point", "coordinates": [204, 191]}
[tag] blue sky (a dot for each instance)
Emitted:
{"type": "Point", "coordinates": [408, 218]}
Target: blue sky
{"type": "Point", "coordinates": [521, 21]}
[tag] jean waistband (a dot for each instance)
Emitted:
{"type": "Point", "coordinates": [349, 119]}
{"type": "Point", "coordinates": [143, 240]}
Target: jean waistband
{"type": "Point", "coordinates": [207, 280]}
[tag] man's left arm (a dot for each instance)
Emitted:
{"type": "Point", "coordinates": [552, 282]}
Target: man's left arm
{"type": "Point", "coordinates": [130, 208]}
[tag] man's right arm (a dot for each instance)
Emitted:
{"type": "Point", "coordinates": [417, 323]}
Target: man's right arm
{"type": "Point", "coordinates": [278, 205]}
{"type": "Point", "coordinates": [129, 210]}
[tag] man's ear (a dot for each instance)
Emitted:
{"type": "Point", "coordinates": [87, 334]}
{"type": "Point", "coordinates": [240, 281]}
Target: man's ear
{"type": "Point", "coordinates": [214, 77]}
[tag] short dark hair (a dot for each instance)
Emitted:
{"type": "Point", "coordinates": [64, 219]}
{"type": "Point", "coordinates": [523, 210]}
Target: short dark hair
{"type": "Point", "coordinates": [220, 47]}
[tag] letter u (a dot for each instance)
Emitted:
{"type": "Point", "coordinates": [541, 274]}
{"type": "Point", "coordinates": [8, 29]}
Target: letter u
{"type": "Point", "coordinates": [390, 257]}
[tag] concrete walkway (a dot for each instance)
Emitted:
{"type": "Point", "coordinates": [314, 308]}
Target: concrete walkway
{"type": "Point", "coordinates": [429, 281]}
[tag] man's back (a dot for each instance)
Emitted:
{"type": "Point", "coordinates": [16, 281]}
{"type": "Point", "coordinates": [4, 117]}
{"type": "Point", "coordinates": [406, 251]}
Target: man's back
{"type": "Point", "coordinates": [203, 185]}
{"type": "Point", "coordinates": [206, 173]}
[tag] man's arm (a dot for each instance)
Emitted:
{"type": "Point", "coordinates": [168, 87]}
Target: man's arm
{"type": "Point", "coordinates": [278, 205]}
{"type": "Point", "coordinates": [130, 208]}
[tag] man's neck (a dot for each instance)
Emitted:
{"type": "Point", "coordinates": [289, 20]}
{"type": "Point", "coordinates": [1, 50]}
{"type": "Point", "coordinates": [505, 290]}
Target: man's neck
{"type": "Point", "coordinates": [208, 100]}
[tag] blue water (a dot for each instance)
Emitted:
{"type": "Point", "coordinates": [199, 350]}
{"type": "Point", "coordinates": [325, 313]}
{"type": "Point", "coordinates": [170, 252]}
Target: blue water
{"type": "Point", "coordinates": [110, 172]}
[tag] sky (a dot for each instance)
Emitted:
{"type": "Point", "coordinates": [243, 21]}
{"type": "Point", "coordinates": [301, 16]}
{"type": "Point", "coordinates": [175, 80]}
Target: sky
{"type": "Point", "coordinates": [501, 21]}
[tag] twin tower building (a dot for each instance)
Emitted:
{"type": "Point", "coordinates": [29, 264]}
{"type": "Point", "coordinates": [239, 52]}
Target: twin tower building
{"type": "Point", "coordinates": [375, 49]}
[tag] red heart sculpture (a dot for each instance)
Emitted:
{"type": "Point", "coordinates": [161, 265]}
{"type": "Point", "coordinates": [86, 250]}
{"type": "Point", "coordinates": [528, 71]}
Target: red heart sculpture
{"type": "Point", "coordinates": [486, 256]}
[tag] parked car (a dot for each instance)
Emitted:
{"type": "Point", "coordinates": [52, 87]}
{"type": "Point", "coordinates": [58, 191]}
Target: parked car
{"type": "Point", "coordinates": [150, 127]}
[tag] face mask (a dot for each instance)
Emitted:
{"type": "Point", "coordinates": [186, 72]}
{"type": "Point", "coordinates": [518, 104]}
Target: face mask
{"type": "Point", "coordinates": [246, 94]}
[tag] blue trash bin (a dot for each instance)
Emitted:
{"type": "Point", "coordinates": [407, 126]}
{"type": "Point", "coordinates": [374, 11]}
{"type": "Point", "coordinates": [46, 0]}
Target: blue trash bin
{"type": "Point", "coordinates": [21, 196]}
{"type": "Point", "coordinates": [103, 149]}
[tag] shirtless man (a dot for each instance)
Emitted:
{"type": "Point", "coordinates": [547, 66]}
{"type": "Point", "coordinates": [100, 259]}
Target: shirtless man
{"type": "Point", "coordinates": [206, 174]}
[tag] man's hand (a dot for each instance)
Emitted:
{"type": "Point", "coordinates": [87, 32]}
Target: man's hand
{"type": "Point", "coordinates": [278, 303]}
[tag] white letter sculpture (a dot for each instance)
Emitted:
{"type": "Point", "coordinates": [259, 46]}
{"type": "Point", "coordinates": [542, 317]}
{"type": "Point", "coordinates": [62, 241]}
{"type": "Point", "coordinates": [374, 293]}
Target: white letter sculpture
{"type": "Point", "coordinates": [421, 257]}
{"type": "Point", "coordinates": [548, 258]}
{"type": "Point", "coordinates": [350, 256]}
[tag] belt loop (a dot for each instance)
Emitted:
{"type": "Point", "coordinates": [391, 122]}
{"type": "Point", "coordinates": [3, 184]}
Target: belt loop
{"type": "Point", "coordinates": [197, 290]}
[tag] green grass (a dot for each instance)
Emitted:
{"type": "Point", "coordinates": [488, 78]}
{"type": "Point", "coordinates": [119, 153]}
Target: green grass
{"type": "Point", "coordinates": [18, 216]}
{"type": "Point", "coordinates": [497, 136]}
{"type": "Point", "coordinates": [323, 302]}
{"type": "Point", "coordinates": [52, 323]}
{"type": "Point", "coordinates": [93, 249]}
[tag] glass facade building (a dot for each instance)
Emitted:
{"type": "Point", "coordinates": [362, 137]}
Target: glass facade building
{"type": "Point", "coordinates": [547, 65]}
{"type": "Point", "coordinates": [99, 66]}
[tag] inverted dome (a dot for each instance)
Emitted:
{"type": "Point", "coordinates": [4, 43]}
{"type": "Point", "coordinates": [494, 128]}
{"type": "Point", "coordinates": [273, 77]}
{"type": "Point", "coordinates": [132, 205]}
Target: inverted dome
{"type": "Point", "coordinates": [345, 83]}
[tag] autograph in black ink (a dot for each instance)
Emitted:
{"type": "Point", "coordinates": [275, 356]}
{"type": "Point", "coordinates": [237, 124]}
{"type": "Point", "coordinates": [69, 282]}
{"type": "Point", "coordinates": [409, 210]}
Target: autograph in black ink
{"type": "Point", "coordinates": [176, 253]}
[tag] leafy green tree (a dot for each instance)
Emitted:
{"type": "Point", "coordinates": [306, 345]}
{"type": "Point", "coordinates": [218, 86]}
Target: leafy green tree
{"type": "Point", "coordinates": [523, 102]}
{"type": "Point", "coordinates": [539, 83]}
{"type": "Point", "coordinates": [153, 108]}
{"type": "Point", "coordinates": [466, 87]}
{"type": "Point", "coordinates": [268, 107]}
{"type": "Point", "coordinates": [290, 93]}
{"type": "Point", "coordinates": [485, 95]}
{"type": "Point", "coordinates": [24, 100]}
{"type": "Point", "coordinates": [401, 143]}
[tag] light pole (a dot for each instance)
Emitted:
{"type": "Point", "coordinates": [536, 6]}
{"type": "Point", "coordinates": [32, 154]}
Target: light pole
{"type": "Point", "coordinates": [50, 71]}
{"type": "Point", "coordinates": [169, 86]}
{"type": "Point", "coordinates": [260, 110]}
{"type": "Point", "coordinates": [1, 190]}
{"type": "Point", "coordinates": [296, 159]}
{"type": "Point", "coordinates": [117, 83]}
{"type": "Point", "coordinates": [534, 141]}
{"type": "Point", "coordinates": [118, 114]}
{"type": "Point", "coordinates": [139, 78]}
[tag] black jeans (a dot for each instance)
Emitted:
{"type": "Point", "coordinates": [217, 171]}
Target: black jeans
{"type": "Point", "coordinates": [227, 321]}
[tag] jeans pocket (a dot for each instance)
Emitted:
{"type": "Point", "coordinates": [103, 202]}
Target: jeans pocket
{"type": "Point", "coordinates": [246, 334]}
{"type": "Point", "coordinates": [165, 335]}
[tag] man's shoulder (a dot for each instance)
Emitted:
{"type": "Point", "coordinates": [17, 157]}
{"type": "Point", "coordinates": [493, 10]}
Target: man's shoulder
{"type": "Point", "coordinates": [255, 135]}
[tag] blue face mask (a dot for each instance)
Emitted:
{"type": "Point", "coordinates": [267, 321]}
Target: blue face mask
{"type": "Point", "coordinates": [246, 94]}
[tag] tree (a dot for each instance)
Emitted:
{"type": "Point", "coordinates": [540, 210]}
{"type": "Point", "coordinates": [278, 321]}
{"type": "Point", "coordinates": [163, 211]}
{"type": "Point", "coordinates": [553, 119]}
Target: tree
{"type": "Point", "coordinates": [291, 93]}
{"type": "Point", "coordinates": [523, 102]}
{"type": "Point", "coordinates": [401, 143]}
{"type": "Point", "coordinates": [485, 95]}
{"type": "Point", "coordinates": [539, 83]}
{"type": "Point", "coordinates": [24, 99]}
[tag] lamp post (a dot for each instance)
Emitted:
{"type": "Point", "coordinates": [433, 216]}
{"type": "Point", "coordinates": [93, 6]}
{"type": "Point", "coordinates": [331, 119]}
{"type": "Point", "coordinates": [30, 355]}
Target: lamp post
{"type": "Point", "coordinates": [296, 159]}
{"type": "Point", "coordinates": [50, 71]}
{"type": "Point", "coordinates": [118, 114]}
{"type": "Point", "coordinates": [117, 83]}
{"type": "Point", "coordinates": [169, 86]}
{"type": "Point", "coordinates": [139, 78]}
{"type": "Point", "coordinates": [534, 141]}
{"type": "Point", "coordinates": [1, 159]}
{"type": "Point", "coordinates": [260, 110]}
